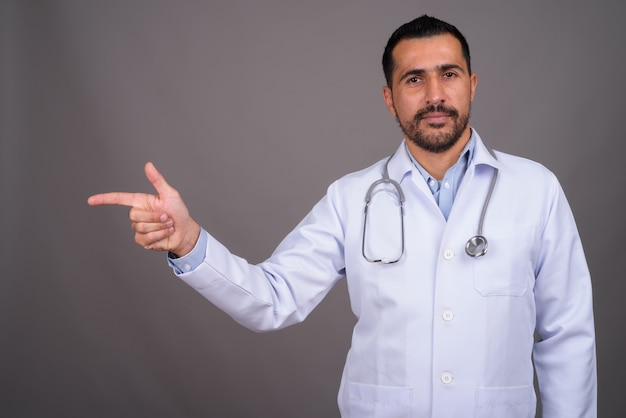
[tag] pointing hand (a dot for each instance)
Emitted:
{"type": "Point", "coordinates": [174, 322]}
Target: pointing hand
{"type": "Point", "coordinates": [161, 222]}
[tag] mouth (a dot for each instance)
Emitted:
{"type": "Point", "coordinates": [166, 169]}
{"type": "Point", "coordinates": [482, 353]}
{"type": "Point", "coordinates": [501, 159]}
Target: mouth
{"type": "Point", "coordinates": [436, 117]}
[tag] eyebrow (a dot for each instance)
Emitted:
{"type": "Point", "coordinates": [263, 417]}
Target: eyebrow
{"type": "Point", "coordinates": [440, 68]}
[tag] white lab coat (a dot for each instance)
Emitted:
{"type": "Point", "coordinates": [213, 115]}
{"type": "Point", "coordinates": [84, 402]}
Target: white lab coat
{"type": "Point", "coordinates": [439, 334]}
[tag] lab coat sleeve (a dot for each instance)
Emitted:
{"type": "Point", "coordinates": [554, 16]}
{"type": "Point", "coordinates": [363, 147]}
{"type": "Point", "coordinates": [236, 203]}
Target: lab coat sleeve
{"type": "Point", "coordinates": [564, 354]}
{"type": "Point", "coordinates": [285, 288]}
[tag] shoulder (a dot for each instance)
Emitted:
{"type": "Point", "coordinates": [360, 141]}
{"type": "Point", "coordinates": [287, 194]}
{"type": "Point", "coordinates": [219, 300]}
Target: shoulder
{"type": "Point", "coordinates": [523, 168]}
{"type": "Point", "coordinates": [512, 167]}
{"type": "Point", "coordinates": [361, 177]}
{"type": "Point", "coordinates": [348, 192]}
{"type": "Point", "coordinates": [527, 179]}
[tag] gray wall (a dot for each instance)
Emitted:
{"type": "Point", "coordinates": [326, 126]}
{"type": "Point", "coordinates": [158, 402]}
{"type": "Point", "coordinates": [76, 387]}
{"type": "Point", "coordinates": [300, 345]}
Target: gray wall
{"type": "Point", "coordinates": [251, 109]}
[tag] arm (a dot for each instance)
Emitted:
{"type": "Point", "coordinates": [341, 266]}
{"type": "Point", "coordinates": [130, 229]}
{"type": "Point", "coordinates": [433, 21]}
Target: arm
{"type": "Point", "coordinates": [564, 356]}
{"type": "Point", "coordinates": [276, 293]}
{"type": "Point", "coordinates": [286, 287]}
{"type": "Point", "coordinates": [161, 222]}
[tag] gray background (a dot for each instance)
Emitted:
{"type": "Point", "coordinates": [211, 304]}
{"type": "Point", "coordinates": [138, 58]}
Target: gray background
{"type": "Point", "coordinates": [251, 109]}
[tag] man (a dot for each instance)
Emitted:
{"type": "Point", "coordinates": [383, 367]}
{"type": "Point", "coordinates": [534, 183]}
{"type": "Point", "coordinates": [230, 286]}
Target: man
{"type": "Point", "coordinates": [447, 327]}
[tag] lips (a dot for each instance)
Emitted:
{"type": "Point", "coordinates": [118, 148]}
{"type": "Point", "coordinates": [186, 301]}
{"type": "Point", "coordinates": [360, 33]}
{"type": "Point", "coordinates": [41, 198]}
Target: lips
{"type": "Point", "coordinates": [436, 114]}
{"type": "Point", "coordinates": [436, 117]}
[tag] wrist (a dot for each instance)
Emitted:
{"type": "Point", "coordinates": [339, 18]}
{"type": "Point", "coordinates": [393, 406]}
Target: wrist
{"type": "Point", "coordinates": [189, 241]}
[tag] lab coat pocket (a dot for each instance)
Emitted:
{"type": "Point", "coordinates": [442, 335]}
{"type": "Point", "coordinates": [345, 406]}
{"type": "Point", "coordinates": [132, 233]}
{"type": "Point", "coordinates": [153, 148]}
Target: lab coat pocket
{"type": "Point", "coordinates": [509, 402]}
{"type": "Point", "coordinates": [507, 268]}
{"type": "Point", "coordinates": [379, 401]}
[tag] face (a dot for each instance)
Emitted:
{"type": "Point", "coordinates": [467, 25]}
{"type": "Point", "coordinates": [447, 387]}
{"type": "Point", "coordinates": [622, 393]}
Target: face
{"type": "Point", "coordinates": [431, 92]}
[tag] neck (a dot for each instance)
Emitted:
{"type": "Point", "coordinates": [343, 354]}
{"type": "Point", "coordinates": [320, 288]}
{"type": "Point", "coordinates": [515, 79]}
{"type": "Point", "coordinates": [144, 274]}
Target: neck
{"type": "Point", "coordinates": [437, 164]}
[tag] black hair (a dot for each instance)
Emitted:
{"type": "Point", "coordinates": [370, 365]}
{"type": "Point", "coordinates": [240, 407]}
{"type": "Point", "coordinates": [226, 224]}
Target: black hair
{"type": "Point", "coordinates": [422, 27]}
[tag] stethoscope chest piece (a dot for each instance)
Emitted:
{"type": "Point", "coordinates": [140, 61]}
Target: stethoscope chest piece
{"type": "Point", "coordinates": [476, 246]}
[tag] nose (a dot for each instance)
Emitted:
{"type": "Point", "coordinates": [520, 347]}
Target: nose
{"type": "Point", "coordinates": [434, 93]}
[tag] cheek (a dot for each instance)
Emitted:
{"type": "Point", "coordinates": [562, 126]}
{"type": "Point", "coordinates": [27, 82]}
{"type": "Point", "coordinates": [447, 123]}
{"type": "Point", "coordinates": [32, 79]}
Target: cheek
{"type": "Point", "coordinates": [406, 107]}
{"type": "Point", "coordinates": [461, 97]}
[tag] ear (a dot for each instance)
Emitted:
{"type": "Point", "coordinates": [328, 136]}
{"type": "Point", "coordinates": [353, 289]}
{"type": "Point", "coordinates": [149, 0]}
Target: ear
{"type": "Point", "coordinates": [473, 84]}
{"type": "Point", "coordinates": [388, 96]}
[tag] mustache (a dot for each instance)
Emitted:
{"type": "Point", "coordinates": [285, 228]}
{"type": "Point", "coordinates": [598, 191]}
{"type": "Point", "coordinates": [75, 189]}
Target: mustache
{"type": "Point", "coordinates": [450, 111]}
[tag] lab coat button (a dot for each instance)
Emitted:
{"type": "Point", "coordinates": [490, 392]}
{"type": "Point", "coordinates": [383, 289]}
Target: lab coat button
{"type": "Point", "coordinates": [446, 378]}
{"type": "Point", "coordinates": [447, 315]}
{"type": "Point", "coordinates": [448, 254]}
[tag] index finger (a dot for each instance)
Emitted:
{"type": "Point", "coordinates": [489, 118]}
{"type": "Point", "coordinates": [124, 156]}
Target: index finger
{"type": "Point", "coordinates": [118, 198]}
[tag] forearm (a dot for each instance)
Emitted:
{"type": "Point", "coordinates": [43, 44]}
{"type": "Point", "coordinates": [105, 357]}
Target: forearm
{"type": "Point", "coordinates": [282, 290]}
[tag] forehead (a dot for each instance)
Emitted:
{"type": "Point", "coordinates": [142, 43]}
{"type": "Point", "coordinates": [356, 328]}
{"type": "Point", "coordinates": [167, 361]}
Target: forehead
{"type": "Point", "coordinates": [428, 53]}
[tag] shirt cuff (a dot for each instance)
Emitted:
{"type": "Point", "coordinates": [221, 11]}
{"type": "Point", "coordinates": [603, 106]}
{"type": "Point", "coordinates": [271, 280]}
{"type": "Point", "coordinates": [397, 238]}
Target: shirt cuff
{"type": "Point", "coordinates": [193, 259]}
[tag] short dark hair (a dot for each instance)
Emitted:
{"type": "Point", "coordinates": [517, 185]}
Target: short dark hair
{"type": "Point", "coordinates": [422, 27]}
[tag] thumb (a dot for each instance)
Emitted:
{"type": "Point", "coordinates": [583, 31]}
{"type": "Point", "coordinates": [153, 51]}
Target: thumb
{"type": "Point", "coordinates": [158, 181]}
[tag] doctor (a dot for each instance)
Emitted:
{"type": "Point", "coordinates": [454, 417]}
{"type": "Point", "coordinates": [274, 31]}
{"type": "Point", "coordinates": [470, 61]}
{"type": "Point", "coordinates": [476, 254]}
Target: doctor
{"type": "Point", "coordinates": [443, 330]}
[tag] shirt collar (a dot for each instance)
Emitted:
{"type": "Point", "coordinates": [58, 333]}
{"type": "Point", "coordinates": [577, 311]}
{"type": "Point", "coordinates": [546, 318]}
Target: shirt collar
{"type": "Point", "coordinates": [467, 155]}
{"type": "Point", "coordinates": [402, 164]}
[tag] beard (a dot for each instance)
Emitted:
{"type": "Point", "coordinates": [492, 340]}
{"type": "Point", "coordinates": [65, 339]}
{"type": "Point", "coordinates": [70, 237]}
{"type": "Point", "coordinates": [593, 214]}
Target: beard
{"type": "Point", "coordinates": [440, 141]}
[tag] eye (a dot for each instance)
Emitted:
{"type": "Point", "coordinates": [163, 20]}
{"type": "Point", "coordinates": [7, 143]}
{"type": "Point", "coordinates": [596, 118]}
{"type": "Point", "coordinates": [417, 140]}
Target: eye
{"type": "Point", "coordinates": [449, 74]}
{"type": "Point", "coordinates": [413, 80]}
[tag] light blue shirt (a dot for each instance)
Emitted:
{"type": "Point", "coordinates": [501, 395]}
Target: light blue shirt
{"type": "Point", "coordinates": [444, 191]}
{"type": "Point", "coordinates": [193, 259]}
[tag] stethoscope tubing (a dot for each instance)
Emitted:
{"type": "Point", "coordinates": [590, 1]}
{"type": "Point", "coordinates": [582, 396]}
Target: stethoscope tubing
{"type": "Point", "coordinates": [475, 247]}
{"type": "Point", "coordinates": [368, 198]}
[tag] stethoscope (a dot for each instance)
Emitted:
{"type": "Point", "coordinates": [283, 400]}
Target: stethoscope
{"type": "Point", "coordinates": [476, 246]}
